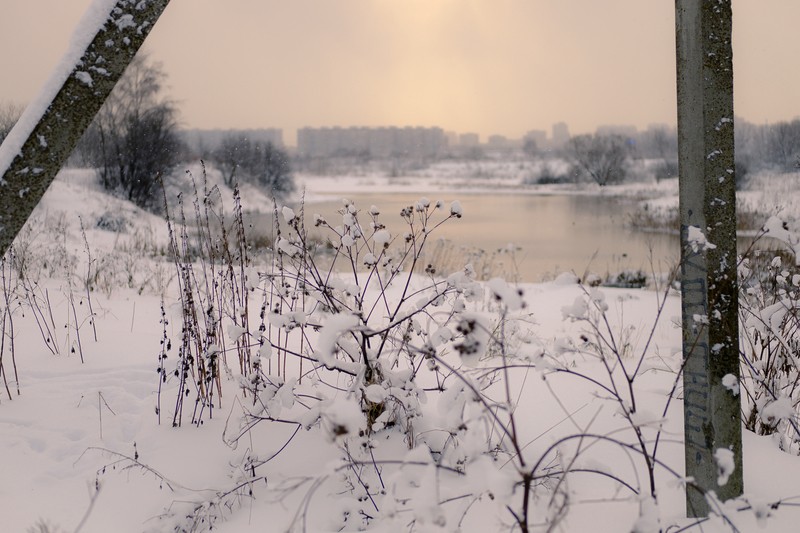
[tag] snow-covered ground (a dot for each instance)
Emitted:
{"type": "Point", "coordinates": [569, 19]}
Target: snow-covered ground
{"type": "Point", "coordinates": [471, 178]}
{"type": "Point", "coordinates": [81, 447]}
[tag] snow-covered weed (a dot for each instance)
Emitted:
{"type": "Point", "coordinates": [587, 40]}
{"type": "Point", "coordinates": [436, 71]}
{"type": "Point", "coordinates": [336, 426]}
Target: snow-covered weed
{"type": "Point", "coordinates": [348, 318]}
{"type": "Point", "coordinates": [770, 330]}
{"type": "Point", "coordinates": [7, 332]}
{"type": "Point", "coordinates": [622, 365]}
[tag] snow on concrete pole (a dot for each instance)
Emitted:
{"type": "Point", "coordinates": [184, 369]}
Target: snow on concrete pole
{"type": "Point", "coordinates": [110, 34]}
{"type": "Point", "coordinates": [712, 426]}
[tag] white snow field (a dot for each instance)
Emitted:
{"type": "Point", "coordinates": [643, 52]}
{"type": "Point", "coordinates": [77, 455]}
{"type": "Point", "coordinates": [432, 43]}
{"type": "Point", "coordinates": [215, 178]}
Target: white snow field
{"type": "Point", "coordinates": [81, 447]}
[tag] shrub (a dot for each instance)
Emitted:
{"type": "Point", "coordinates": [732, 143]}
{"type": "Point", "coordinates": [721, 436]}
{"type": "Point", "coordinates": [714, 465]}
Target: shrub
{"type": "Point", "coordinates": [666, 170]}
{"type": "Point", "coordinates": [604, 159]}
{"type": "Point", "coordinates": [9, 114]}
{"type": "Point", "coordinates": [260, 163]}
{"type": "Point", "coordinates": [628, 279]}
{"type": "Point", "coordinates": [770, 343]}
{"type": "Point", "coordinates": [133, 139]}
{"type": "Point", "coordinates": [742, 174]}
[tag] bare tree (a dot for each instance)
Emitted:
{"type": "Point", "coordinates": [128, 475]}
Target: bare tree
{"type": "Point", "coordinates": [603, 158]}
{"type": "Point", "coordinates": [783, 142]}
{"type": "Point", "coordinates": [661, 143]}
{"type": "Point", "coordinates": [229, 156]}
{"type": "Point", "coordinates": [133, 139]}
{"type": "Point", "coordinates": [259, 163]}
{"type": "Point", "coordinates": [529, 147]}
{"type": "Point", "coordinates": [9, 114]}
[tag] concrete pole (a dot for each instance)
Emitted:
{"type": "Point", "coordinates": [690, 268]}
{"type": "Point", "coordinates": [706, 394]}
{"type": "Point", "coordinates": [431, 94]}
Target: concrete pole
{"type": "Point", "coordinates": [708, 213]}
{"type": "Point", "coordinates": [51, 142]}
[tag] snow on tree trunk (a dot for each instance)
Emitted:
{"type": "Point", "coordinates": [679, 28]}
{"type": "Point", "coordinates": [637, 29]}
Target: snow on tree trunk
{"type": "Point", "coordinates": [109, 35]}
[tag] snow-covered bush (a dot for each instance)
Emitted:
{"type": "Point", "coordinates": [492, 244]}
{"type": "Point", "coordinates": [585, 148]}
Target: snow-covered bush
{"type": "Point", "coordinates": [366, 318]}
{"type": "Point", "coordinates": [770, 324]}
{"type": "Point", "coordinates": [263, 164]}
{"type": "Point", "coordinates": [371, 352]}
{"type": "Point", "coordinates": [133, 139]}
{"type": "Point", "coordinates": [622, 364]}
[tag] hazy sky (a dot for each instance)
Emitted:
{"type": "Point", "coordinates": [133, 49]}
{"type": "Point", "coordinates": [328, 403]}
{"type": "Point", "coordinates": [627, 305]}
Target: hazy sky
{"type": "Point", "coordinates": [488, 66]}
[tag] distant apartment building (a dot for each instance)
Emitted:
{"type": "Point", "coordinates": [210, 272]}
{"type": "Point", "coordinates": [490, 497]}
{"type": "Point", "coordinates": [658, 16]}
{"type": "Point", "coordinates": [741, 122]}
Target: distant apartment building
{"type": "Point", "coordinates": [501, 143]}
{"type": "Point", "coordinates": [204, 140]}
{"type": "Point", "coordinates": [469, 140]}
{"type": "Point", "coordinates": [624, 130]}
{"type": "Point", "coordinates": [273, 136]}
{"type": "Point", "coordinates": [375, 142]}
{"type": "Point", "coordinates": [498, 142]}
{"type": "Point", "coordinates": [659, 126]}
{"type": "Point", "coordinates": [560, 134]}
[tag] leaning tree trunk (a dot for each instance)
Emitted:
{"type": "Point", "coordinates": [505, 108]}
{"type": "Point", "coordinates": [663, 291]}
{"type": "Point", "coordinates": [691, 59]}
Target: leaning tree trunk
{"type": "Point", "coordinates": [60, 127]}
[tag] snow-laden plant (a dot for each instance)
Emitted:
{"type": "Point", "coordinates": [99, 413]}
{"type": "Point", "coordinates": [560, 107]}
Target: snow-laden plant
{"type": "Point", "coordinates": [622, 365]}
{"type": "Point", "coordinates": [620, 359]}
{"type": "Point", "coordinates": [769, 305]}
{"type": "Point", "coordinates": [366, 318]}
{"type": "Point", "coordinates": [373, 352]}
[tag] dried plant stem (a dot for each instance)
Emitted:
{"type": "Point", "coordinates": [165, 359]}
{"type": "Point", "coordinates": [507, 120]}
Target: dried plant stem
{"type": "Point", "coordinates": [7, 333]}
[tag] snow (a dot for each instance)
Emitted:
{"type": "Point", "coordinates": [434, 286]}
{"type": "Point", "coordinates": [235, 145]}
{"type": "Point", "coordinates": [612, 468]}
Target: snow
{"type": "Point", "coordinates": [288, 214]}
{"type": "Point", "coordinates": [382, 237]}
{"type": "Point", "coordinates": [780, 409]}
{"type": "Point", "coordinates": [84, 77]}
{"type": "Point", "coordinates": [648, 520]}
{"type": "Point", "coordinates": [776, 228]}
{"type": "Point", "coordinates": [85, 436]}
{"type": "Point", "coordinates": [723, 457]}
{"type": "Point", "coordinates": [510, 296]}
{"type": "Point", "coordinates": [370, 259]}
{"type": "Point", "coordinates": [375, 393]}
{"type": "Point", "coordinates": [731, 382]}
{"type": "Point", "coordinates": [235, 332]}
{"type": "Point", "coordinates": [566, 278]}
{"type": "Point", "coordinates": [697, 240]}
{"type": "Point", "coordinates": [334, 327]}
{"type": "Point", "coordinates": [287, 247]}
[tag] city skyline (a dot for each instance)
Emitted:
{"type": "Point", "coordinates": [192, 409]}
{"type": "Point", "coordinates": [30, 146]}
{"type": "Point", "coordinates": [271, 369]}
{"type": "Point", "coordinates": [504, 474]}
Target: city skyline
{"type": "Point", "coordinates": [383, 141]}
{"type": "Point", "coordinates": [493, 68]}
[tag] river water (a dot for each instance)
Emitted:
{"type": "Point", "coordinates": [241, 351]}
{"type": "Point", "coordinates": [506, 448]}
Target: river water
{"type": "Point", "coordinates": [550, 234]}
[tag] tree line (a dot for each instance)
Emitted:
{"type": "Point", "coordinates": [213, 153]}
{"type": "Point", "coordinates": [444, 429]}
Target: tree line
{"type": "Point", "coordinates": [134, 142]}
{"type": "Point", "coordinates": [610, 159]}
